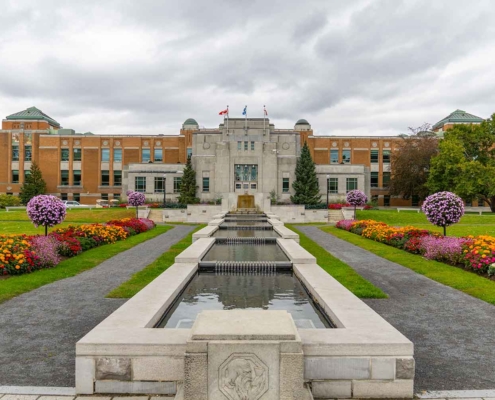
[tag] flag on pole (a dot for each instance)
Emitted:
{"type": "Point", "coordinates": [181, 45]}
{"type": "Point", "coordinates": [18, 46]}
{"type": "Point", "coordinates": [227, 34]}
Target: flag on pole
{"type": "Point", "coordinates": [266, 112]}
{"type": "Point", "coordinates": [245, 111]}
{"type": "Point", "coordinates": [226, 111]}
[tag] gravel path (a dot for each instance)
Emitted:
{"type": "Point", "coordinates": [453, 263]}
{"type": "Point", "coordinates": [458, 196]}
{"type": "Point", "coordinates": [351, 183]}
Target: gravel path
{"type": "Point", "coordinates": [39, 329]}
{"type": "Point", "coordinates": [453, 333]}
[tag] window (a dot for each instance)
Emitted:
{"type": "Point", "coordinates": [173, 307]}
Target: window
{"type": "Point", "coordinates": [334, 156]}
{"type": "Point", "coordinates": [140, 184]}
{"type": "Point", "coordinates": [15, 176]}
{"type": "Point", "coordinates": [105, 155]}
{"type": "Point", "coordinates": [374, 156]}
{"type": "Point", "coordinates": [346, 156]}
{"type": "Point", "coordinates": [247, 172]}
{"type": "Point", "coordinates": [77, 177]}
{"type": "Point", "coordinates": [386, 156]}
{"type": "Point", "coordinates": [239, 146]}
{"type": "Point", "coordinates": [374, 199]}
{"type": "Point", "coordinates": [158, 156]}
{"type": "Point", "coordinates": [105, 178]}
{"type": "Point", "coordinates": [15, 152]}
{"type": "Point", "coordinates": [469, 203]}
{"type": "Point", "coordinates": [386, 200]}
{"type": "Point", "coordinates": [76, 154]}
{"type": "Point", "coordinates": [374, 179]}
{"type": "Point", "coordinates": [159, 184]}
{"type": "Point", "coordinates": [145, 155]}
{"type": "Point", "coordinates": [415, 200]}
{"type": "Point", "coordinates": [76, 197]}
{"type": "Point", "coordinates": [64, 177]}
{"type": "Point", "coordinates": [206, 183]}
{"type": "Point", "coordinates": [285, 185]}
{"type": "Point", "coordinates": [351, 184]}
{"type": "Point", "coordinates": [116, 196]}
{"type": "Point", "coordinates": [189, 152]}
{"type": "Point", "coordinates": [252, 145]}
{"type": "Point", "coordinates": [177, 183]}
{"type": "Point", "coordinates": [238, 186]}
{"type": "Point", "coordinates": [246, 144]}
{"type": "Point", "coordinates": [333, 185]}
{"type": "Point", "coordinates": [64, 154]}
{"type": "Point", "coordinates": [64, 197]}
{"type": "Point", "coordinates": [27, 152]}
{"type": "Point", "coordinates": [104, 196]}
{"type": "Point", "coordinates": [386, 179]}
{"type": "Point", "coordinates": [481, 202]}
{"type": "Point", "coordinates": [253, 185]}
{"type": "Point", "coordinates": [117, 178]}
{"type": "Point", "coordinates": [117, 155]}
{"type": "Point", "coordinates": [27, 173]}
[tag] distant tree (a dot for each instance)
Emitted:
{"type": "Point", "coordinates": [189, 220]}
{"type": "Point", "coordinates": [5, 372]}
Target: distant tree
{"type": "Point", "coordinates": [465, 163]}
{"type": "Point", "coordinates": [33, 184]}
{"type": "Point", "coordinates": [410, 163]}
{"type": "Point", "coordinates": [306, 183]}
{"type": "Point", "coordinates": [188, 185]}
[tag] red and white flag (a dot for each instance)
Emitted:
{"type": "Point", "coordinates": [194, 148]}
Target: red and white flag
{"type": "Point", "coordinates": [226, 111]}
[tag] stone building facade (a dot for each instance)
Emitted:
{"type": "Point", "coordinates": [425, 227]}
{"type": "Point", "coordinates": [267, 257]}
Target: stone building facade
{"type": "Point", "coordinates": [241, 155]}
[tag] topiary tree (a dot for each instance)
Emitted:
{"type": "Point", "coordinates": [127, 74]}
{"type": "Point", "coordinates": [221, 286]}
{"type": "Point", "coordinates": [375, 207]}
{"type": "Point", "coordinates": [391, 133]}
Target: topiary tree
{"type": "Point", "coordinates": [443, 209]}
{"type": "Point", "coordinates": [46, 210]}
{"type": "Point", "coordinates": [136, 199]}
{"type": "Point", "coordinates": [356, 198]}
{"type": "Point", "coordinates": [188, 185]}
{"type": "Point", "coordinates": [306, 183]}
{"type": "Point", "coordinates": [34, 184]}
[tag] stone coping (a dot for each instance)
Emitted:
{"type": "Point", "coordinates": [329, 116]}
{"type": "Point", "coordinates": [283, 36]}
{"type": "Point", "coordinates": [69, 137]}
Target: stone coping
{"type": "Point", "coordinates": [244, 325]}
{"type": "Point", "coordinates": [295, 252]}
{"type": "Point", "coordinates": [275, 222]}
{"type": "Point", "coordinates": [286, 233]}
{"type": "Point", "coordinates": [216, 222]}
{"type": "Point", "coordinates": [196, 251]}
{"type": "Point", "coordinates": [206, 232]}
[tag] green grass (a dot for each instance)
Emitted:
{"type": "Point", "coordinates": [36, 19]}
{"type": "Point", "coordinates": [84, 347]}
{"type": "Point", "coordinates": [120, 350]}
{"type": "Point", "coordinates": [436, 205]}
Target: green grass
{"type": "Point", "coordinates": [142, 278]}
{"type": "Point", "coordinates": [339, 270]}
{"type": "Point", "coordinates": [470, 224]}
{"type": "Point", "coordinates": [16, 285]}
{"type": "Point", "coordinates": [465, 281]}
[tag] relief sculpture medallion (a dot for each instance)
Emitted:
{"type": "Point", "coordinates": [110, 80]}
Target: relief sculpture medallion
{"type": "Point", "coordinates": [243, 376]}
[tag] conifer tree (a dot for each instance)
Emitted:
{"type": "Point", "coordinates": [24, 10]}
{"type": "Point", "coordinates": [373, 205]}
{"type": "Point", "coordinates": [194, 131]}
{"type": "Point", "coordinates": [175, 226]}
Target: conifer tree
{"type": "Point", "coordinates": [34, 184]}
{"type": "Point", "coordinates": [306, 183]}
{"type": "Point", "coordinates": [188, 185]}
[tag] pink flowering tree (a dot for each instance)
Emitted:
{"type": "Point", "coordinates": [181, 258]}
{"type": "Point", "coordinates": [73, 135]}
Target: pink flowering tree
{"type": "Point", "coordinates": [46, 210]}
{"type": "Point", "coordinates": [443, 209]}
{"type": "Point", "coordinates": [136, 199]}
{"type": "Point", "coordinates": [356, 198]}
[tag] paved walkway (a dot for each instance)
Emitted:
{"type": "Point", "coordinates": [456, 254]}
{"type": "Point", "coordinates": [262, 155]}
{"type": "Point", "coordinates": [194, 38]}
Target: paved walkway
{"type": "Point", "coordinates": [453, 333]}
{"type": "Point", "coordinates": [39, 329]}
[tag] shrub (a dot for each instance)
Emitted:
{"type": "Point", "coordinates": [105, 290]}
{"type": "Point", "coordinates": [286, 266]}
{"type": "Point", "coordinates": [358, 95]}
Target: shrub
{"type": "Point", "coordinates": [7, 200]}
{"type": "Point", "coordinates": [443, 209]}
{"type": "Point", "coordinates": [46, 210]}
{"type": "Point", "coordinates": [445, 249]}
{"type": "Point", "coordinates": [46, 247]}
{"type": "Point", "coordinates": [16, 255]}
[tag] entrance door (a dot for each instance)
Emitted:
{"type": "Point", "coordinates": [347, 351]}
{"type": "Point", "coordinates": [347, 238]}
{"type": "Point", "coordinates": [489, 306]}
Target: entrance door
{"type": "Point", "coordinates": [246, 178]}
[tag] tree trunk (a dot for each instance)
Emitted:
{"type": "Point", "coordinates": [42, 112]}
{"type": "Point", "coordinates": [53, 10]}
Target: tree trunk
{"type": "Point", "coordinates": [491, 203]}
{"type": "Point", "coordinates": [444, 230]}
{"type": "Point", "coordinates": [46, 230]}
{"type": "Point", "coordinates": [137, 212]}
{"type": "Point", "coordinates": [354, 212]}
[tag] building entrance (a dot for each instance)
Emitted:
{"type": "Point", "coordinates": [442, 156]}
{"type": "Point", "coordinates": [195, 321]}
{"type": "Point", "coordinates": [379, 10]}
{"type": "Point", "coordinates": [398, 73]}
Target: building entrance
{"type": "Point", "coordinates": [246, 178]}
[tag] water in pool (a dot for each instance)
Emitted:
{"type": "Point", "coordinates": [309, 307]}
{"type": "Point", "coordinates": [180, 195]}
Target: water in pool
{"type": "Point", "coordinates": [245, 252]}
{"type": "Point", "coordinates": [276, 291]}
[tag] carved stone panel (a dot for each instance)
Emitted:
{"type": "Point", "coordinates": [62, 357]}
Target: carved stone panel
{"type": "Point", "coordinates": [243, 376]}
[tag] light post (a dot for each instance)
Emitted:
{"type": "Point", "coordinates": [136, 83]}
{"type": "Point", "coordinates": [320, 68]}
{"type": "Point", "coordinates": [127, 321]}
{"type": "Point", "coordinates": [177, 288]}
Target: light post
{"type": "Point", "coordinates": [328, 179]}
{"type": "Point", "coordinates": [164, 190]}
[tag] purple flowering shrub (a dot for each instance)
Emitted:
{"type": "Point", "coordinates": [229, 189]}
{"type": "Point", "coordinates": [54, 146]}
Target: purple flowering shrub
{"type": "Point", "coordinates": [345, 224]}
{"type": "Point", "coordinates": [443, 209]}
{"type": "Point", "coordinates": [136, 199]}
{"type": "Point", "coordinates": [444, 248]}
{"type": "Point", "coordinates": [46, 210]}
{"type": "Point", "coordinates": [356, 198]}
{"type": "Point", "coordinates": [46, 248]}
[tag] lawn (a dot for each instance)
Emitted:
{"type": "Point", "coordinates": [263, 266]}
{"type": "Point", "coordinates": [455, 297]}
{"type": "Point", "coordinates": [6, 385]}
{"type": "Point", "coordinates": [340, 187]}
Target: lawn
{"type": "Point", "coordinates": [16, 285]}
{"type": "Point", "coordinates": [339, 270]}
{"type": "Point", "coordinates": [470, 224]}
{"type": "Point", "coordinates": [142, 278]}
{"type": "Point", "coordinates": [457, 278]}
{"type": "Point", "coordinates": [16, 222]}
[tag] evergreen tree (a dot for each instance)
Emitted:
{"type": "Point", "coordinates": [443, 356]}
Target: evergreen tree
{"type": "Point", "coordinates": [33, 184]}
{"type": "Point", "coordinates": [188, 185]}
{"type": "Point", "coordinates": [306, 183]}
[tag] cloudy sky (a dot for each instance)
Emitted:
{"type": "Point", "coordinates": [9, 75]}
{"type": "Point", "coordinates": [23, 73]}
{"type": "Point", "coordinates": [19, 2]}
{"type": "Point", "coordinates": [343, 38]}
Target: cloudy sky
{"type": "Point", "coordinates": [353, 67]}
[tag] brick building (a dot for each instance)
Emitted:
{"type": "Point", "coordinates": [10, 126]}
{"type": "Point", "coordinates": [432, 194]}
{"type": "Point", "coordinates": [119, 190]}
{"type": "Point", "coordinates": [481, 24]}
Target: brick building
{"type": "Point", "coordinates": [247, 156]}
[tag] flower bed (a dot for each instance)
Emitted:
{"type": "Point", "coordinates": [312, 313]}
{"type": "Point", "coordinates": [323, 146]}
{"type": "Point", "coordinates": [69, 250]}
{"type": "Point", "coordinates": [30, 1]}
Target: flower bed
{"type": "Point", "coordinates": [473, 253]}
{"type": "Point", "coordinates": [21, 254]}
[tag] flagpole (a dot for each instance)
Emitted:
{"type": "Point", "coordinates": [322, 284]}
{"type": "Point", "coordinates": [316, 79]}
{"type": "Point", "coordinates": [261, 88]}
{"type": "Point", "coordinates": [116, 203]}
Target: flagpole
{"type": "Point", "coordinates": [264, 115]}
{"type": "Point", "coordinates": [245, 120]}
{"type": "Point", "coordinates": [227, 119]}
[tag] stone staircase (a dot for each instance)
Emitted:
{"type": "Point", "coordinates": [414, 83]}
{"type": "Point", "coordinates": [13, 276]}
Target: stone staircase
{"type": "Point", "coordinates": [156, 215]}
{"type": "Point", "coordinates": [335, 216]}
